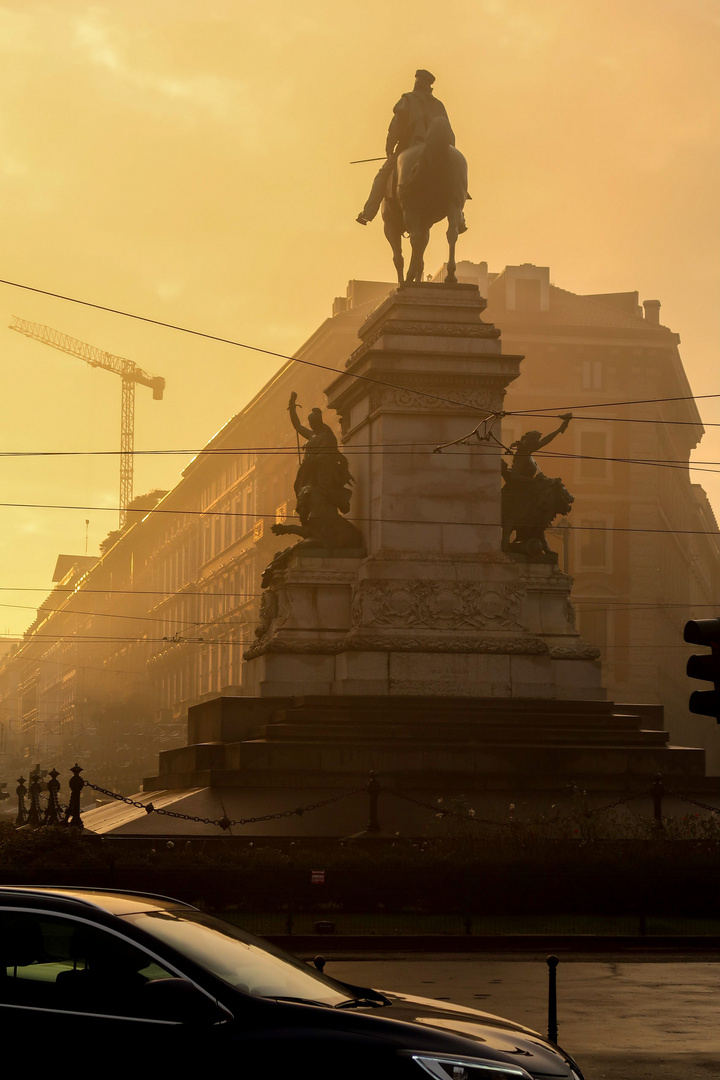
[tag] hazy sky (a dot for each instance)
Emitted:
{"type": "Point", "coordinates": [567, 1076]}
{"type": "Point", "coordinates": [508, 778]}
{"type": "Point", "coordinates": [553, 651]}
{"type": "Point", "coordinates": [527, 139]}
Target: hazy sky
{"type": "Point", "coordinates": [189, 161]}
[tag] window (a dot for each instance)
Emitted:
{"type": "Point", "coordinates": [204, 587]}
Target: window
{"type": "Point", "coordinates": [593, 627]}
{"type": "Point", "coordinates": [527, 294]}
{"type": "Point", "coordinates": [593, 454]}
{"type": "Point", "coordinates": [593, 545]}
{"type": "Point", "coordinates": [61, 963]}
{"type": "Point", "coordinates": [592, 375]}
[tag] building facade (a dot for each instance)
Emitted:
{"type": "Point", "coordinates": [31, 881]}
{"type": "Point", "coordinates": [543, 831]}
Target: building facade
{"type": "Point", "coordinates": [126, 643]}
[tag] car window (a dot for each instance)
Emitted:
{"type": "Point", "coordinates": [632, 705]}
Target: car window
{"type": "Point", "coordinates": [48, 961]}
{"type": "Point", "coordinates": [237, 957]}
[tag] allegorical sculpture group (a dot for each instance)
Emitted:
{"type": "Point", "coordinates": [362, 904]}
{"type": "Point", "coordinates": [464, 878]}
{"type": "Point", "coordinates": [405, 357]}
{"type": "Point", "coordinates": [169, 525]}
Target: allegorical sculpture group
{"type": "Point", "coordinates": [529, 500]}
{"type": "Point", "coordinates": [322, 494]}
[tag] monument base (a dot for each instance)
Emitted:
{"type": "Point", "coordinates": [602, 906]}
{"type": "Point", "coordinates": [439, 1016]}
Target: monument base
{"type": "Point", "coordinates": [250, 757]}
{"type": "Point", "coordinates": [475, 626]}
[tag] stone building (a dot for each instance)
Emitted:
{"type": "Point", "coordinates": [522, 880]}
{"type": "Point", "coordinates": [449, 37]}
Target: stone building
{"type": "Point", "coordinates": [183, 581]}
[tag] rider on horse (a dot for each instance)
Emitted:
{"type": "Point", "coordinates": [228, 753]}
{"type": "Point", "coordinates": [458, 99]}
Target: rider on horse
{"type": "Point", "coordinates": [412, 117]}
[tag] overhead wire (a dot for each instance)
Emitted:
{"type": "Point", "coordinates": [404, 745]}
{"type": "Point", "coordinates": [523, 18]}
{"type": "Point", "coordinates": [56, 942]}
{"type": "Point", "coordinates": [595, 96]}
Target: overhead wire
{"type": "Point", "coordinates": [302, 360]}
{"type": "Point", "coordinates": [256, 515]}
{"type": "Point", "coordinates": [386, 449]}
{"type": "Point", "coordinates": [600, 602]}
{"type": "Point", "coordinates": [613, 404]}
{"type": "Point", "coordinates": [105, 640]}
{"type": "Point", "coordinates": [237, 344]}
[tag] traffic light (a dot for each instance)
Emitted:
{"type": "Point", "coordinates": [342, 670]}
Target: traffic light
{"type": "Point", "coordinates": [705, 632]}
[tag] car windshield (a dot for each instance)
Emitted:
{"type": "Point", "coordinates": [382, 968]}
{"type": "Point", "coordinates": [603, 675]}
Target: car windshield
{"type": "Point", "coordinates": [239, 959]}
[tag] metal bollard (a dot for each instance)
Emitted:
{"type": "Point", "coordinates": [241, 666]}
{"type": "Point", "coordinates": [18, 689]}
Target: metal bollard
{"type": "Point", "coordinates": [34, 815]}
{"type": "Point", "coordinates": [657, 791]}
{"type": "Point", "coordinates": [21, 792]}
{"type": "Point", "coordinates": [76, 784]}
{"type": "Point", "coordinates": [552, 963]}
{"type": "Point", "coordinates": [373, 790]}
{"type": "Point", "coordinates": [52, 810]}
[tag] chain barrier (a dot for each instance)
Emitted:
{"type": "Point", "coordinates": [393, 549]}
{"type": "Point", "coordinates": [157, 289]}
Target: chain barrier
{"type": "Point", "coordinates": [695, 802]}
{"type": "Point", "coordinates": [71, 815]}
{"type": "Point", "coordinates": [223, 822]}
{"type": "Point", "coordinates": [618, 802]}
{"type": "Point", "coordinates": [441, 811]}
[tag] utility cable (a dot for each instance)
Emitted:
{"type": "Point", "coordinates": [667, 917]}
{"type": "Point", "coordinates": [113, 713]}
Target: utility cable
{"type": "Point", "coordinates": [238, 344]}
{"type": "Point", "coordinates": [279, 355]}
{"type": "Point", "coordinates": [370, 520]}
{"type": "Point", "coordinates": [630, 420]}
{"type": "Point", "coordinates": [613, 404]}
{"type": "Point", "coordinates": [179, 595]}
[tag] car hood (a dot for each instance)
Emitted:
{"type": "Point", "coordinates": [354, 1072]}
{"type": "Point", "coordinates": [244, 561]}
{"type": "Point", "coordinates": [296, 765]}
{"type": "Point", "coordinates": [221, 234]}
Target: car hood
{"type": "Point", "coordinates": [504, 1038]}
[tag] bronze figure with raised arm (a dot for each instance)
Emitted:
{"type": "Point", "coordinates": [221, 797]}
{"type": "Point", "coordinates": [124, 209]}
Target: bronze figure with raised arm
{"type": "Point", "coordinates": [322, 491]}
{"type": "Point", "coordinates": [529, 500]}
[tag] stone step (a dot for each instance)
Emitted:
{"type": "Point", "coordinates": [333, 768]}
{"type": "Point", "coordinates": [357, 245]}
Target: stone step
{"type": "Point", "coordinates": [341, 720]}
{"type": "Point", "coordinates": [450, 733]}
{"type": "Point", "coordinates": [428, 707]}
{"type": "Point", "coordinates": [435, 767]}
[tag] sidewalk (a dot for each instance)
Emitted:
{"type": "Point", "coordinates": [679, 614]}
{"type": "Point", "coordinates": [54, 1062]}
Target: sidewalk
{"type": "Point", "coordinates": [645, 1018]}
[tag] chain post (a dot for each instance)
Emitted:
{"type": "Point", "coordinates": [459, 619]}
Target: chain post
{"type": "Point", "coordinates": [21, 791]}
{"type": "Point", "coordinates": [34, 819]}
{"type": "Point", "coordinates": [373, 790]}
{"type": "Point", "coordinates": [552, 963]}
{"type": "Point", "coordinates": [76, 784]}
{"type": "Point", "coordinates": [657, 791]}
{"type": "Point", "coordinates": [52, 810]}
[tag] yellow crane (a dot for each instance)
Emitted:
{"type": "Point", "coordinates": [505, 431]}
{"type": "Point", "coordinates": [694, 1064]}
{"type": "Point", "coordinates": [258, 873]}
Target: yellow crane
{"type": "Point", "coordinates": [130, 374]}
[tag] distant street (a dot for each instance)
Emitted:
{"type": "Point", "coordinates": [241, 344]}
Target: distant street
{"type": "Point", "coordinates": [649, 1019]}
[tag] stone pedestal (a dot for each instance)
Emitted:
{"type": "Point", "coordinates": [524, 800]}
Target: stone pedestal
{"type": "Point", "coordinates": [431, 656]}
{"type": "Point", "coordinates": [435, 608]}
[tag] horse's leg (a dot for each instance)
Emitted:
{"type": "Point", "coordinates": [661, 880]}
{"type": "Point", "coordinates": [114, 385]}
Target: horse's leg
{"type": "Point", "coordinates": [452, 235]}
{"type": "Point", "coordinates": [419, 239]}
{"type": "Point", "coordinates": [456, 202]}
{"type": "Point", "coordinates": [393, 226]}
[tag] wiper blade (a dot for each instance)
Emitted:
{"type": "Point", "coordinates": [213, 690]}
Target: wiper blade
{"type": "Point", "coordinates": [362, 1002]}
{"type": "Point", "coordinates": [298, 1000]}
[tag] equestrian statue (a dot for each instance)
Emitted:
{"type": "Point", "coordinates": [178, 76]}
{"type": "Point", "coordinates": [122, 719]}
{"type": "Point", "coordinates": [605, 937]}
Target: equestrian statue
{"type": "Point", "coordinates": [530, 501]}
{"type": "Point", "coordinates": [423, 180]}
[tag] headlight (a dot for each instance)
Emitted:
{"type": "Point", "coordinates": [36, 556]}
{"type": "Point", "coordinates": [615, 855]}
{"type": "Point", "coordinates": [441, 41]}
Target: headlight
{"type": "Point", "coordinates": [461, 1068]}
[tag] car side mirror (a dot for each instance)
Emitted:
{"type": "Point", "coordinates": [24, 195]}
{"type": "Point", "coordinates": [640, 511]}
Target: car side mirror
{"type": "Point", "coordinates": [181, 1001]}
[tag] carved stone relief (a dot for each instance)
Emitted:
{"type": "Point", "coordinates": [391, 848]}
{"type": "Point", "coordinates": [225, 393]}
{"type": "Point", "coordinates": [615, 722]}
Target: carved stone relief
{"type": "Point", "coordinates": [390, 397]}
{"type": "Point", "coordinates": [516, 645]}
{"type": "Point", "coordinates": [575, 652]}
{"type": "Point", "coordinates": [437, 605]}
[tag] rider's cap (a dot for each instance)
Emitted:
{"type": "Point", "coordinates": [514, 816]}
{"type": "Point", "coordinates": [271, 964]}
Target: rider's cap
{"type": "Point", "coordinates": [424, 76]}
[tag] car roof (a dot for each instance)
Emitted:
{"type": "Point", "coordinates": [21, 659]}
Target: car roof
{"type": "Point", "coordinates": [112, 901]}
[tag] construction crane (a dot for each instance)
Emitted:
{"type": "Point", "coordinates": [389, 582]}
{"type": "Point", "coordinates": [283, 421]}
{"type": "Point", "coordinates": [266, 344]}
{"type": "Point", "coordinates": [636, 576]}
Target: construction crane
{"type": "Point", "coordinates": [130, 374]}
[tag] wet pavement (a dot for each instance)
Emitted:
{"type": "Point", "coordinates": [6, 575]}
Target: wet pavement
{"type": "Point", "coordinates": [645, 1018]}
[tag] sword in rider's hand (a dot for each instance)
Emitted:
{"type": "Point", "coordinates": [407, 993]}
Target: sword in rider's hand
{"type": "Point", "coordinates": [361, 161]}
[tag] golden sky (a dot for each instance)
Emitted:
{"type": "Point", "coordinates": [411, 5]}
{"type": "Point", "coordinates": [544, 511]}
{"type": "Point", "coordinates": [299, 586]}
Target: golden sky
{"type": "Point", "coordinates": [189, 161]}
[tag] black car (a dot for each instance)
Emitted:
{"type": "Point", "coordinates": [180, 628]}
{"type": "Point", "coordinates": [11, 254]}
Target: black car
{"type": "Point", "coordinates": [127, 973]}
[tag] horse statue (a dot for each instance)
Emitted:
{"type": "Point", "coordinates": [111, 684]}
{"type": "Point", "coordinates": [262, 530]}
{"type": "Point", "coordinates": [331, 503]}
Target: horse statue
{"type": "Point", "coordinates": [429, 183]}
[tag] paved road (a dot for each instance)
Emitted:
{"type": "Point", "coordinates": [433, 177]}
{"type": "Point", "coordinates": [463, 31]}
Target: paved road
{"type": "Point", "coordinates": [639, 1019]}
